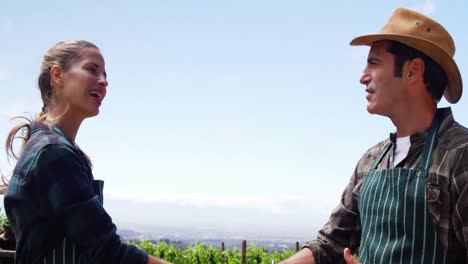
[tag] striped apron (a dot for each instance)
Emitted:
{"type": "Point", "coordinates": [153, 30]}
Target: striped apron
{"type": "Point", "coordinates": [396, 225]}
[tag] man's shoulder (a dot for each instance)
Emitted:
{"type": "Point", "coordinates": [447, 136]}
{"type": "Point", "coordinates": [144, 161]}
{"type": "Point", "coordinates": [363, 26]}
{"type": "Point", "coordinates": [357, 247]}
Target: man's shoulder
{"type": "Point", "coordinates": [374, 151]}
{"type": "Point", "coordinates": [369, 157]}
{"type": "Point", "coordinates": [456, 136]}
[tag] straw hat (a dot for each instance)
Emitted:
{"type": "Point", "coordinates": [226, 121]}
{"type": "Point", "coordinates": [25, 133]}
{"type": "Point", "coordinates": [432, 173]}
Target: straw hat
{"type": "Point", "coordinates": [426, 35]}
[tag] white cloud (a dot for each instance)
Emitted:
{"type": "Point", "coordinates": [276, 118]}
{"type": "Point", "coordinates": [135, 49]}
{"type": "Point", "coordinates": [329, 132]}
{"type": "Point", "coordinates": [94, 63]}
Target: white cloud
{"type": "Point", "coordinates": [277, 205]}
{"type": "Point", "coordinates": [248, 216]}
{"type": "Point", "coordinates": [428, 7]}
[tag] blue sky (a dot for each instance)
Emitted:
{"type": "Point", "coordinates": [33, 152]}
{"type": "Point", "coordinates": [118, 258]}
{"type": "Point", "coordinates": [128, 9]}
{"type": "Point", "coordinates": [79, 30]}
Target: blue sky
{"type": "Point", "coordinates": [215, 106]}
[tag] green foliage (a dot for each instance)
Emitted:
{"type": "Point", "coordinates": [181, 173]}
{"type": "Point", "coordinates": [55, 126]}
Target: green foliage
{"type": "Point", "coordinates": [203, 254]}
{"type": "Point", "coordinates": [3, 218]}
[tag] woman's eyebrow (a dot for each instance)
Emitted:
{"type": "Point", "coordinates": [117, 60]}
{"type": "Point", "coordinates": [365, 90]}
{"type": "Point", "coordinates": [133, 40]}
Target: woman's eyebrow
{"type": "Point", "coordinates": [98, 66]}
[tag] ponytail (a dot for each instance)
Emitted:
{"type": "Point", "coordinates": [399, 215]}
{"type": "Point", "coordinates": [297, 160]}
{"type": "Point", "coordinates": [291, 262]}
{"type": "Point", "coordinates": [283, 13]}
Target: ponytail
{"type": "Point", "coordinates": [21, 131]}
{"type": "Point", "coordinates": [4, 185]}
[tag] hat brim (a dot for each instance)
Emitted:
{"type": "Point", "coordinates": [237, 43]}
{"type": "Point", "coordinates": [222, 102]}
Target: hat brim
{"type": "Point", "coordinates": [454, 89]}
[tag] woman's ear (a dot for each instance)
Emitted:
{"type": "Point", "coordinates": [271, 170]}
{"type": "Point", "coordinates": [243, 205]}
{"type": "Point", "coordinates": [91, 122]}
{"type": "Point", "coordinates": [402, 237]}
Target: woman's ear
{"type": "Point", "coordinates": [56, 76]}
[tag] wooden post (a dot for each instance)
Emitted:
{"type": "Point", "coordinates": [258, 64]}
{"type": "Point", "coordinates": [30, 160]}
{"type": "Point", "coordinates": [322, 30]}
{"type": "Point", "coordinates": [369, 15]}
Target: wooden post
{"type": "Point", "coordinates": [223, 256]}
{"type": "Point", "coordinates": [243, 250]}
{"type": "Point", "coordinates": [297, 246]}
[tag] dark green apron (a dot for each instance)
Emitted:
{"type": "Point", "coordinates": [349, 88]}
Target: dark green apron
{"type": "Point", "coordinates": [396, 224]}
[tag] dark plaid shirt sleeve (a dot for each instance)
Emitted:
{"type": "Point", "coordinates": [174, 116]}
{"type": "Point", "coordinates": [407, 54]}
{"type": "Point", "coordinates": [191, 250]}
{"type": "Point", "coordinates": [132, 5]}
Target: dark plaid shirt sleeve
{"type": "Point", "coordinates": [65, 195]}
{"type": "Point", "coordinates": [343, 229]}
{"type": "Point", "coordinates": [459, 193]}
{"type": "Point", "coordinates": [72, 198]}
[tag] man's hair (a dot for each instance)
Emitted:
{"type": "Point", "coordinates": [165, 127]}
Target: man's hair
{"type": "Point", "coordinates": [435, 78]}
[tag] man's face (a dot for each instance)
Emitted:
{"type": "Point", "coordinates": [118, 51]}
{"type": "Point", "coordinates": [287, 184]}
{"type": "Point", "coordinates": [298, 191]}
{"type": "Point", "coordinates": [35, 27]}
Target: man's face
{"type": "Point", "coordinates": [384, 91]}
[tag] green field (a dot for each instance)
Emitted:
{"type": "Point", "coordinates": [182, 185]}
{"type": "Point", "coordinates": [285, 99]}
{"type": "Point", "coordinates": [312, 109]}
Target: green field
{"type": "Point", "coordinates": [203, 254]}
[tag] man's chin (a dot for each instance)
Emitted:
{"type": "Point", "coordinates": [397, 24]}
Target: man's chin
{"type": "Point", "coordinates": [370, 109]}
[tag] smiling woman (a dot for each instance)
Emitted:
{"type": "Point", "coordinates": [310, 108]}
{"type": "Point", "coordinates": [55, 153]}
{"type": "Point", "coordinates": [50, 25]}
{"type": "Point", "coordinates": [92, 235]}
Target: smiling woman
{"type": "Point", "coordinates": [53, 202]}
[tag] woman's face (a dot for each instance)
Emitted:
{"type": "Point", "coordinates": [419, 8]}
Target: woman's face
{"type": "Point", "coordinates": [84, 84]}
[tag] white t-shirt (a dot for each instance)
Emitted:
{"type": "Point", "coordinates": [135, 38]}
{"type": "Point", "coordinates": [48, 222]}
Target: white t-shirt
{"type": "Point", "coordinates": [402, 146]}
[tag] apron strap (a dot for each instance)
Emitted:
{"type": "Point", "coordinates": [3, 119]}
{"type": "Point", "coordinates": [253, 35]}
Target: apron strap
{"type": "Point", "coordinates": [429, 144]}
{"type": "Point", "coordinates": [379, 159]}
{"type": "Point", "coordinates": [431, 141]}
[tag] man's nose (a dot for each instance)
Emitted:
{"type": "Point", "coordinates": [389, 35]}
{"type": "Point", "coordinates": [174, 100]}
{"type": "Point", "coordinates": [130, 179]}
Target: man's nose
{"type": "Point", "coordinates": [365, 78]}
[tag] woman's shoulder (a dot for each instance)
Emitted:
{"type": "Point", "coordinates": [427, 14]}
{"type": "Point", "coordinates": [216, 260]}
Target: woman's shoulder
{"type": "Point", "coordinates": [42, 135]}
{"type": "Point", "coordinates": [44, 145]}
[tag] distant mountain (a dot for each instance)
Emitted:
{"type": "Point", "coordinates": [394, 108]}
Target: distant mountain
{"type": "Point", "coordinates": [188, 222]}
{"type": "Point", "coordinates": [182, 237]}
{"type": "Point", "coordinates": [128, 234]}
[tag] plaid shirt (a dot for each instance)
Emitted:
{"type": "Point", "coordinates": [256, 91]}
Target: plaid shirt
{"type": "Point", "coordinates": [447, 194]}
{"type": "Point", "coordinates": [55, 209]}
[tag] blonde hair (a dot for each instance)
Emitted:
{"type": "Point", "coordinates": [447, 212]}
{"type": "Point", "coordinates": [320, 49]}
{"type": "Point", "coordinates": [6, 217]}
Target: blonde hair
{"type": "Point", "coordinates": [61, 54]}
{"type": "Point", "coordinates": [3, 185]}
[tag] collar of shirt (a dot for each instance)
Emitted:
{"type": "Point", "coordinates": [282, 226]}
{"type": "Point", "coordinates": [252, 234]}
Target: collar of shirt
{"type": "Point", "coordinates": [36, 127]}
{"type": "Point", "coordinates": [417, 139]}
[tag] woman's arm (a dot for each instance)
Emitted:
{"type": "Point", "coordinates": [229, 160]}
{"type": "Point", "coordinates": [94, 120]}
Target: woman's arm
{"type": "Point", "coordinates": [65, 184]}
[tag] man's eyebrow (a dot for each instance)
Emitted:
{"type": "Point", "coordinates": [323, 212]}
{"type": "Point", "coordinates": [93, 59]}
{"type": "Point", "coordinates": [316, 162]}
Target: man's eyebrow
{"type": "Point", "coordinates": [372, 60]}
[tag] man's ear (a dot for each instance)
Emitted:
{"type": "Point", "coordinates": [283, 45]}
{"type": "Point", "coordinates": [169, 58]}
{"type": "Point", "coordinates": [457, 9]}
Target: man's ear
{"type": "Point", "coordinates": [416, 68]}
{"type": "Point", "coordinates": [56, 76]}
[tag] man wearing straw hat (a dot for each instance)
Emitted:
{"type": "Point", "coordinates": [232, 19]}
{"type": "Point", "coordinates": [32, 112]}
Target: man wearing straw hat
{"type": "Point", "coordinates": [407, 201]}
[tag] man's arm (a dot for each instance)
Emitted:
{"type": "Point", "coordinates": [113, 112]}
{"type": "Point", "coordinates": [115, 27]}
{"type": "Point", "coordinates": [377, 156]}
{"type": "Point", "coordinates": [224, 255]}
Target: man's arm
{"type": "Point", "coordinates": [460, 191]}
{"type": "Point", "coordinates": [349, 258]}
{"type": "Point", "coordinates": [341, 231]}
{"type": "Point", "coordinates": [153, 260]}
{"type": "Point", "coordinates": [304, 256]}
